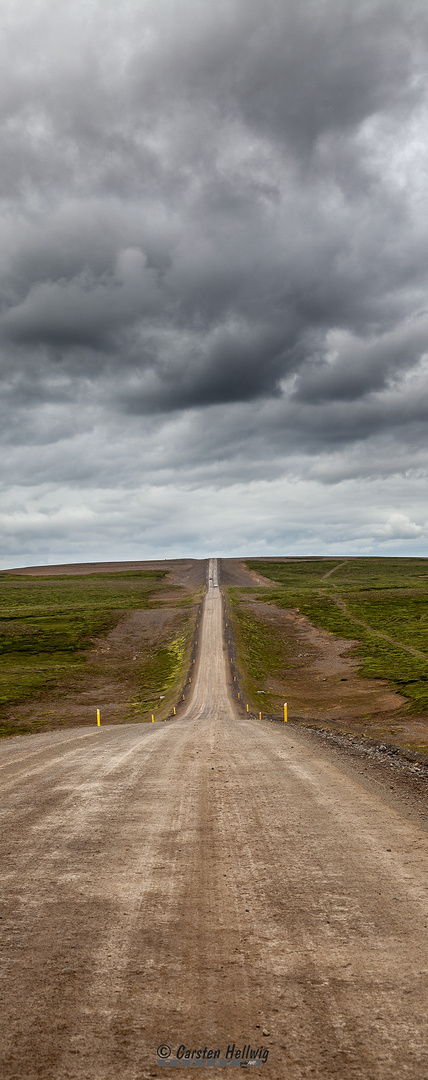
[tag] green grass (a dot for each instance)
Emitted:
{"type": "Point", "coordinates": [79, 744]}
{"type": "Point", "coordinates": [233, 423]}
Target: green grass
{"type": "Point", "coordinates": [260, 647]}
{"type": "Point", "coordinates": [260, 650]}
{"type": "Point", "coordinates": [47, 624]}
{"type": "Point", "coordinates": [349, 574]}
{"type": "Point", "coordinates": [160, 674]}
{"type": "Point", "coordinates": [21, 595]}
{"type": "Point", "coordinates": [389, 595]}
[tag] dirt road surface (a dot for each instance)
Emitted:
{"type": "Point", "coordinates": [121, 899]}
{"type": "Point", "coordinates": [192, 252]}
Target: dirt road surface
{"type": "Point", "coordinates": [208, 883]}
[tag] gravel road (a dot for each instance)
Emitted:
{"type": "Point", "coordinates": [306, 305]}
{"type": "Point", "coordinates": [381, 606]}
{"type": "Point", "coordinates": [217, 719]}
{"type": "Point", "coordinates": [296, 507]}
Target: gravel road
{"type": "Point", "coordinates": [213, 884]}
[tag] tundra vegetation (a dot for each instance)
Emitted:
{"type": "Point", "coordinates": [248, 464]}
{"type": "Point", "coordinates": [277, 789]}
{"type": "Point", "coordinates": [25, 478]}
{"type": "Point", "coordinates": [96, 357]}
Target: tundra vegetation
{"type": "Point", "coordinates": [378, 608]}
{"type": "Point", "coordinates": [65, 637]}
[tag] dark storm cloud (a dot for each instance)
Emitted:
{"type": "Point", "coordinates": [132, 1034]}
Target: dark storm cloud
{"type": "Point", "coordinates": [213, 236]}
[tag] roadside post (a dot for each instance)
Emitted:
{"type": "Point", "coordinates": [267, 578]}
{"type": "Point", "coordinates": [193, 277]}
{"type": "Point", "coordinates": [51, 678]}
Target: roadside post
{"type": "Point", "coordinates": [98, 718]}
{"type": "Point", "coordinates": [285, 712]}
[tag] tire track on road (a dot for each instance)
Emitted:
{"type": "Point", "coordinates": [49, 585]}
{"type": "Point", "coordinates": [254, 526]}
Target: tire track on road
{"type": "Point", "coordinates": [208, 881]}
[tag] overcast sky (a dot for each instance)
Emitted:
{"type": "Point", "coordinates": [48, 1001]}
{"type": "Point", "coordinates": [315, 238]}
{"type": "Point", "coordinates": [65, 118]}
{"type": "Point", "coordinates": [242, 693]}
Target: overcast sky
{"type": "Point", "coordinates": [213, 278]}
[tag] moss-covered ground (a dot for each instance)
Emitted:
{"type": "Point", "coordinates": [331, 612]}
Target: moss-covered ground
{"type": "Point", "coordinates": [378, 605]}
{"type": "Point", "coordinates": [51, 634]}
{"type": "Point", "coordinates": [381, 603]}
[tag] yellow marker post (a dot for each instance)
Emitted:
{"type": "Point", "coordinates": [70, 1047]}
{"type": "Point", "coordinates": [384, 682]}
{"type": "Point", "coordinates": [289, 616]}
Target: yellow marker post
{"type": "Point", "coordinates": [189, 679]}
{"type": "Point", "coordinates": [285, 712]}
{"type": "Point", "coordinates": [98, 718]}
{"type": "Point", "coordinates": [239, 695]}
{"type": "Point", "coordinates": [153, 719]}
{"type": "Point", "coordinates": [184, 698]}
{"type": "Point", "coordinates": [260, 715]}
{"type": "Point", "coordinates": [174, 711]}
{"type": "Point", "coordinates": [248, 708]}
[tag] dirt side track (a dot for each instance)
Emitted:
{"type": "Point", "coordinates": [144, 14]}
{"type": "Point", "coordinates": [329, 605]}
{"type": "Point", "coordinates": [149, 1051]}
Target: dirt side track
{"type": "Point", "coordinates": [206, 883]}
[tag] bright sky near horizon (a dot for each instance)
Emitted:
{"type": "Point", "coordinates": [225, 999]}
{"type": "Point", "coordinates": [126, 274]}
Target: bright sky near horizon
{"type": "Point", "coordinates": [214, 270]}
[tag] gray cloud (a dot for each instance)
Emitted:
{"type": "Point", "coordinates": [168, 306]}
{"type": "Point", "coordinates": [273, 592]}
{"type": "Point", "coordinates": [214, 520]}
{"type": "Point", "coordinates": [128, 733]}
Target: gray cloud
{"type": "Point", "coordinates": [212, 267]}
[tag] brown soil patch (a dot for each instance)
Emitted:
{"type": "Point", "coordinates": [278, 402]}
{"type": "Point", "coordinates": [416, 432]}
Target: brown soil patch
{"type": "Point", "coordinates": [187, 572]}
{"type": "Point", "coordinates": [323, 687]}
{"type": "Point", "coordinates": [110, 679]}
{"type": "Point", "coordinates": [235, 572]}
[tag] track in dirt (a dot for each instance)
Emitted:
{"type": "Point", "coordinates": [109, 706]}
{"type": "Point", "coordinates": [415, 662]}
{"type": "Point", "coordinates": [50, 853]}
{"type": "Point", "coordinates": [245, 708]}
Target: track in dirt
{"type": "Point", "coordinates": [208, 883]}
